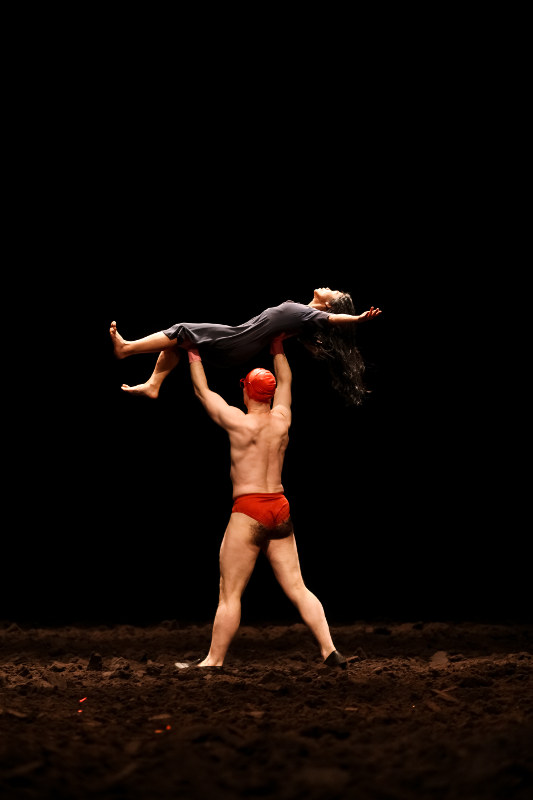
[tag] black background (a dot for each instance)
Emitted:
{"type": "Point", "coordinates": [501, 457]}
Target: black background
{"type": "Point", "coordinates": [127, 499]}
{"type": "Point", "coordinates": [164, 188]}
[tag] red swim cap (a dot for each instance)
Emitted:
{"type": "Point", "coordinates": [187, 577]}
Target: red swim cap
{"type": "Point", "coordinates": [260, 385]}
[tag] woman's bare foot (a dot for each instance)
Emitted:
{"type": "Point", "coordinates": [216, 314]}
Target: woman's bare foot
{"type": "Point", "coordinates": [142, 389]}
{"type": "Point", "coordinates": [119, 344]}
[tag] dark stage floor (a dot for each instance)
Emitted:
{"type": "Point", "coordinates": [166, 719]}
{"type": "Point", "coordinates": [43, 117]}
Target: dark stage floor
{"type": "Point", "coordinates": [425, 710]}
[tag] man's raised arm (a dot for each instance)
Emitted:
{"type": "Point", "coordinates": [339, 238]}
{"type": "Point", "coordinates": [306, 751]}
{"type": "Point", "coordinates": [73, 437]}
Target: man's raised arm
{"type": "Point", "coordinates": [283, 373]}
{"type": "Point", "coordinates": [215, 405]}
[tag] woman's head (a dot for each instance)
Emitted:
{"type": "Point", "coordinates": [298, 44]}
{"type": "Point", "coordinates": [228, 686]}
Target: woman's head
{"type": "Point", "coordinates": [333, 300]}
{"type": "Point", "coordinates": [336, 346]}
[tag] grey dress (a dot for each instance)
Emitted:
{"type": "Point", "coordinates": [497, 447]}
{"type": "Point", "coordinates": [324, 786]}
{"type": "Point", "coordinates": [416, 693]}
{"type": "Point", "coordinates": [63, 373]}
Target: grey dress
{"type": "Point", "coordinates": [229, 345]}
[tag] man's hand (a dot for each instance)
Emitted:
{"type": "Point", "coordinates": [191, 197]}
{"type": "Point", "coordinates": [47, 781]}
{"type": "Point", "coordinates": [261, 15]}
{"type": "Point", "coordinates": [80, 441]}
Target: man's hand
{"type": "Point", "coordinates": [276, 344]}
{"type": "Point", "coordinates": [193, 354]}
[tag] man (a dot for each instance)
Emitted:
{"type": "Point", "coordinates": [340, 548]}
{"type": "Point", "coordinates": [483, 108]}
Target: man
{"type": "Point", "coordinates": [260, 518]}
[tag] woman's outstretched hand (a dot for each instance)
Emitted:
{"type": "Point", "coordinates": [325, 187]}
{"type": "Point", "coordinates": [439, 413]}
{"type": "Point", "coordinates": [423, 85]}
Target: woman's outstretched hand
{"type": "Point", "coordinates": [371, 314]}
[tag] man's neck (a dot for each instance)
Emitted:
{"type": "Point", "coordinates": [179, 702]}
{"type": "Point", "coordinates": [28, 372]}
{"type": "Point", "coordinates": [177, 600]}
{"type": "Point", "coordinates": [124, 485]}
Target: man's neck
{"type": "Point", "coordinates": [260, 408]}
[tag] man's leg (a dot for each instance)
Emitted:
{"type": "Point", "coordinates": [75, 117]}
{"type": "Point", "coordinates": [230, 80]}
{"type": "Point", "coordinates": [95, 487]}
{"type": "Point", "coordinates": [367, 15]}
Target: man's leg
{"type": "Point", "coordinates": [283, 557]}
{"type": "Point", "coordinates": [238, 555]}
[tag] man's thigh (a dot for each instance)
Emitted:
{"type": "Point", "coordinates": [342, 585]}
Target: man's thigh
{"type": "Point", "coordinates": [283, 557]}
{"type": "Point", "coordinates": [238, 553]}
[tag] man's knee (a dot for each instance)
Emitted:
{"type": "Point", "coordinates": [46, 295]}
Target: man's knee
{"type": "Point", "coordinates": [294, 587]}
{"type": "Point", "coordinates": [231, 590]}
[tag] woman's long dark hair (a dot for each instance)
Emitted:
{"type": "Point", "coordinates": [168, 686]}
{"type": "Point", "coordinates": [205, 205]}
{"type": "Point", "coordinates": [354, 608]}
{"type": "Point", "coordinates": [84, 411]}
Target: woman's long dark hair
{"type": "Point", "coordinates": [336, 346]}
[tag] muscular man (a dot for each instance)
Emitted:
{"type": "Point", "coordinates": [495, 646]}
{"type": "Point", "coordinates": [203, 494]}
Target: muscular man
{"type": "Point", "coordinates": [260, 518]}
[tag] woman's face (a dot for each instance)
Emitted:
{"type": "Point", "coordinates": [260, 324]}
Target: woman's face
{"type": "Point", "coordinates": [325, 296]}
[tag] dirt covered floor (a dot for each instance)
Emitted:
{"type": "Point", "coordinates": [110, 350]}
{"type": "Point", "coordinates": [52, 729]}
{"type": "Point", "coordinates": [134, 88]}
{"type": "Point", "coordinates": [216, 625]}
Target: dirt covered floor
{"type": "Point", "coordinates": [425, 710]}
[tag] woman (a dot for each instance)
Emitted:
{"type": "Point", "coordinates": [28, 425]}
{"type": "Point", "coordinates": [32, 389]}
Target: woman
{"type": "Point", "coordinates": [325, 326]}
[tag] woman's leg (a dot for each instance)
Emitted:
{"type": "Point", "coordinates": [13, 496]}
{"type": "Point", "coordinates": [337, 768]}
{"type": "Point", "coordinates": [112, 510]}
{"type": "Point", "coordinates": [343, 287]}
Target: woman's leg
{"type": "Point", "coordinates": [283, 557]}
{"type": "Point", "coordinates": [153, 343]}
{"type": "Point", "coordinates": [238, 555]}
{"type": "Point", "coordinates": [167, 360]}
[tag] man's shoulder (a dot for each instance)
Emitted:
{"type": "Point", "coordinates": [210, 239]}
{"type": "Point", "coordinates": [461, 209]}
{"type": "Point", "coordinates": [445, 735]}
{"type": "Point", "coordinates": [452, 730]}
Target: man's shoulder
{"type": "Point", "coordinates": [281, 413]}
{"type": "Point", "coordinates": [233, 417]}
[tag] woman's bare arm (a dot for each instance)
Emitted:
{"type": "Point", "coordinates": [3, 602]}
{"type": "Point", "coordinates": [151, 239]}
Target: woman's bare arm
{"type": "Point", "coordinates": [341, 319]}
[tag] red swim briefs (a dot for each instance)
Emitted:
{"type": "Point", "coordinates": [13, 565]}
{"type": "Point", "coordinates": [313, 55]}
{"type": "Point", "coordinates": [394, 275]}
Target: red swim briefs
{"type": "Point", "coordinates": [268, 508]}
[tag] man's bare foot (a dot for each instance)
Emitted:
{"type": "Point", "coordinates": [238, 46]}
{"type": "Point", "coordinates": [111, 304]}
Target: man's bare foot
{"type": "Point", "coordinates": [197, 663]}
{"type": "Point", "coordinates": [142, 389]}
{"type": "Point", "coordinates": [207, 662]}
{"type": "Point", "coordinates": [119, 344]}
